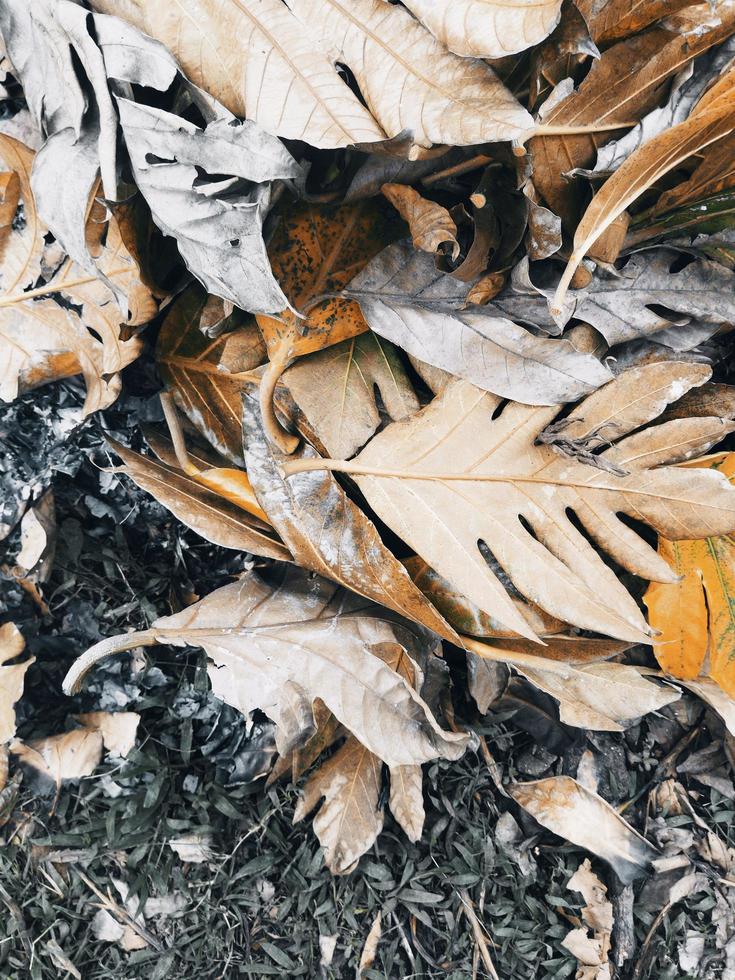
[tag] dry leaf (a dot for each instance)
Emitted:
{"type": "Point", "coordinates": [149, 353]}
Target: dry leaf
{"type": "Point", "coordinates": [466, 469]}
{"type": "Point", "coordinates": [487, 28]}
{"type": "Point", "coordinates": [197, 369]}
{"type": "Point", "coordinates": [592, 952]}
{"type": "Point", "coordinates": [370, 949]}
{"type": "Point", "coordinates": [712, 119]}
{"type": "Point", "coordinates": [336, 393]}
{"type": "Point", "coordinates": [622, 86]}
{"type": "Point", "coordinates": [275, 74]}
{"type": "Point", "coordinates": [430, 224]}
{"type": "Point", "coordinates": [279, 643]}
{"type": "Point", "coordinates": [315, 253]}
{"type": "Point", "coordinates": [59, 758]}
{"type": "Point", "coordinates": [694, 615]}
{"type": "Point", "coordinates": [43, 340]}
{"type": "Point", "coordinates": [409, 81]}
{"type": "Point", "coordinates": [118, 729]}
{"type": "Point", "coordinates": [12, 676]}
{"type": "Point", "coordinates": [204, 511]}
{"type": "Point", "coordinates": [592, 693]}
{"type": "Point", "coordinates": [327, 533]}
{"type": "Point", "coordinates": [610, 20]}
{"type": "Point", "coordinates": [715, 174]}
{"type": "Point", "coordinates": [38, 539]}
{"type": "Point", "coordinates": [193, 848]}
{"type": "Point", "coordinates": [647, 298]}
{"type": "Point", "coordinates": [489, 350]}
{"type": "Point", "coordinates": [566, 808]}
{"type": "Point", "coordinates": [189, 178]}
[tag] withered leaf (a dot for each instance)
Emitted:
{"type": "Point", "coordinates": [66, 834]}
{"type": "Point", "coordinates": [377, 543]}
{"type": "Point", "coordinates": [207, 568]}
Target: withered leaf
{"type": "Point", "coordinates": [59, 758]}
{"type": "Point", "coordinates": [326, 532]}
{"type": "Point", "coordinates": [204, 511]}
{"type": "Point", "coordinates": [198, 369]}
{"type": "Point", "coordinates": [12, 677]}
{"type": "Point", "coordinates": [431, 225]}
{"type": "Point", "coordinates": [489, 350]}
{"type": "Point", "coordinates": [189, 177]}
{"type": "Point", "coordinates": [458, 473]}
{"type": "Point", "coordinates": [335, 392]}
{"type": "Point", "coordinates": [277, 643]}
{"type": "Point", "coordinates": [566, 808]}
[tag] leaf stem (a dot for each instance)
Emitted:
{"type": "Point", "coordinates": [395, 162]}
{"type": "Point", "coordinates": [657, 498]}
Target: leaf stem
{"type": "Point", "coordinates": [177, 434]}
{"type": "Point", "coordinates": [105, 648]}
{"type": "Point", "coordinates": [56, 287]}
{"type": "Point", "coordinates": [542, 130]}
{"type": "Point", "coordinates": [273, 429]}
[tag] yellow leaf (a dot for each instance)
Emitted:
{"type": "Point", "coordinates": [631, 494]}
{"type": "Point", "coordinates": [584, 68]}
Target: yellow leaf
{"type": "Point", "coordinates": [696, 615]}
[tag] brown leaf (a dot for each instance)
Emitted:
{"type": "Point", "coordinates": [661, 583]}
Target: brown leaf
{"type": "Point", "coordinates": [198, 369]}
{"type": "Point", "coordinates": [458, 473]}
{"type": "Point", "coordinates": [714, 174]}
{"type": "Point", "coordinates": [117, 728]}
{"type": "Point", "coordinates": [712, 119]}
{"type": "Point", "coordinates": [566, 808]}
{"type": "Point", "coordinates": [430, 224]}
{"type": "Point", "coordinates": [41, 339]}
{"type": "Point", "coordinates": [611, 20]}
{"type": "Point", "coordinates": [486, 28]}
{"type": "Point", "coordinates": [59, 758]}
{"type": "Point", "coordinates": [280, 640]}
{"type": "Point", "coordinates": [335, 393]}
{"type": "Point", "coordinates": [370, 949]}
{"type": "Point", "coordinates": [327, 533]}
{"type": "Point", "coordinates": [209, 514]}
{"type": "Point", "coordinates": [314, 254]}
{"type": "Point", "coordinates": [622, 86]}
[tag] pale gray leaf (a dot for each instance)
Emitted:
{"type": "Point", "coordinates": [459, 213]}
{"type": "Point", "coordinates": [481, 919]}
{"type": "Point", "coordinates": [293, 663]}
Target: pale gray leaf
{"type": "Point", "coordinates": [491, 351]}
{"type": "Point", "coordinates": [217, 224]}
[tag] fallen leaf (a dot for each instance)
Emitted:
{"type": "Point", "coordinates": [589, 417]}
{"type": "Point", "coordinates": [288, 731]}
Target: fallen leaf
{"type": "Point", "coordinates": [621, 87]}
{"type": "Point", "coordinates": [694, 615]}
{"type": "Point", "coordinates": [491, 351]}
{"type": "Point", "coordinates": [195, 848]}
{"type": "Point", "coordinates": [409, 81]}
{"type": "Point", "coordinates": [118, 729]}
{"type": "Point", "coordinates": [646, 297]}
{"type": "Point", "coordinates": [315, 253]}
{"type": "Point", "coordinates": [276, 74]}
{"type": "Point", "coordinates": [370, 949]}
{"type": "Point", "coordinates": [466, 469]}
{"type": "Point", "coordinates": [38, 539]}
{"type": "Point", "coordinates": [60, 758]}
{"type": "Point", "coordinates": [326, 532]}
{"type": "Point", "coordinates": [204, 511]}
{"type": "Point", "coordinates": [189, 175]}
{"type": "Point", "coordinates": [592, 952]}
{"type": "Point", "coordinates": [44, 339]}
{"type": "Point", "coordinates": [197, 369]}
{"type": "Point", "coordinates": [257, 631]}
{"type": "Point", "coordinates": [336, 393]}
{"type": "Point", "coordinates": [12, 677]}
{"type": "Point", "coordinates": [592, 693]}
{"type": "Point", "coordinates": [567, 809]}
{"type": "Point", "coordinates": [487, 28]}
{"type": "Point", "coordinates": [430, 224]}
{"type": "Point", "coordinates": [610, 20]}
{"type": "Point", "coordinates": [712, 119]}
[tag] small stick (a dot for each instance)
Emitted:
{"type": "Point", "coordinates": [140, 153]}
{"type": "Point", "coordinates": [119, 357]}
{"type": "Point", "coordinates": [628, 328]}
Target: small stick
{"type": "Point", "coordinates": [478, 932]}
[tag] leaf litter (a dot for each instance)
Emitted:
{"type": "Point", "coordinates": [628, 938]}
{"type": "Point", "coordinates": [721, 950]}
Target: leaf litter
{"type": "Point", "coordinates": [378, 551]}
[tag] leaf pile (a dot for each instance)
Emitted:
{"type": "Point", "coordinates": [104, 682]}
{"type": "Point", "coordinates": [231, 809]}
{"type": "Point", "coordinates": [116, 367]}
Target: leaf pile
{"type": "Point", "coordinates": [434, 291]}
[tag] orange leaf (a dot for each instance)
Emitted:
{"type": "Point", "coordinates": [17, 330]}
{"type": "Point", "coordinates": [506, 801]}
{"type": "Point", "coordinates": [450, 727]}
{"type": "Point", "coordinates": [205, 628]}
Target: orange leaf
{"type": "Point", "coordinates": [696, 616]}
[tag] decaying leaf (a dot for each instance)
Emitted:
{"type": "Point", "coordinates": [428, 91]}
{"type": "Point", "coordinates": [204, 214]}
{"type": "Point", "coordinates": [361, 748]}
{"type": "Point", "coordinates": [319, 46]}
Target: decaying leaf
{"type": "Point", "coordinates": [370, 949]}
{"type": "Point", "coordinates": [199, 507]}
{"type": "Point", "coordinates": [61, 758]}
{"type": "Point", "coordinates": [649, 296]}
{"type": "Point", "coordinates": [277, 643]}
{"type": "Point", "coordinates": [189, 177]}
{"type": "Point", "coordinates": [695, 615]}
{"type": "Point", "coordinates": [466, 469]}
{"type": "Point", "coordinates": [336, 393]}
{"type": "Point", "coordinates": [487, 28]}
{"type": "Point", "coordinates": [566, 808]}
{"type": "Point", "coordinates": [71, 323]}
{"type": "Point", "coordinates": [712, 119]}
{"type": "Point", "coordinates": [591, 952]}
{"type": "Point", "coordinates": [430, 224]}
{"type": "Point", "coordinates": [197, 369]}
{"type": "Point", "coordinates": [592, 692]}
{"type": "Point", "coordinates": [490, 350]}
{"type": "Point", "coordinates": [12, 677]}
